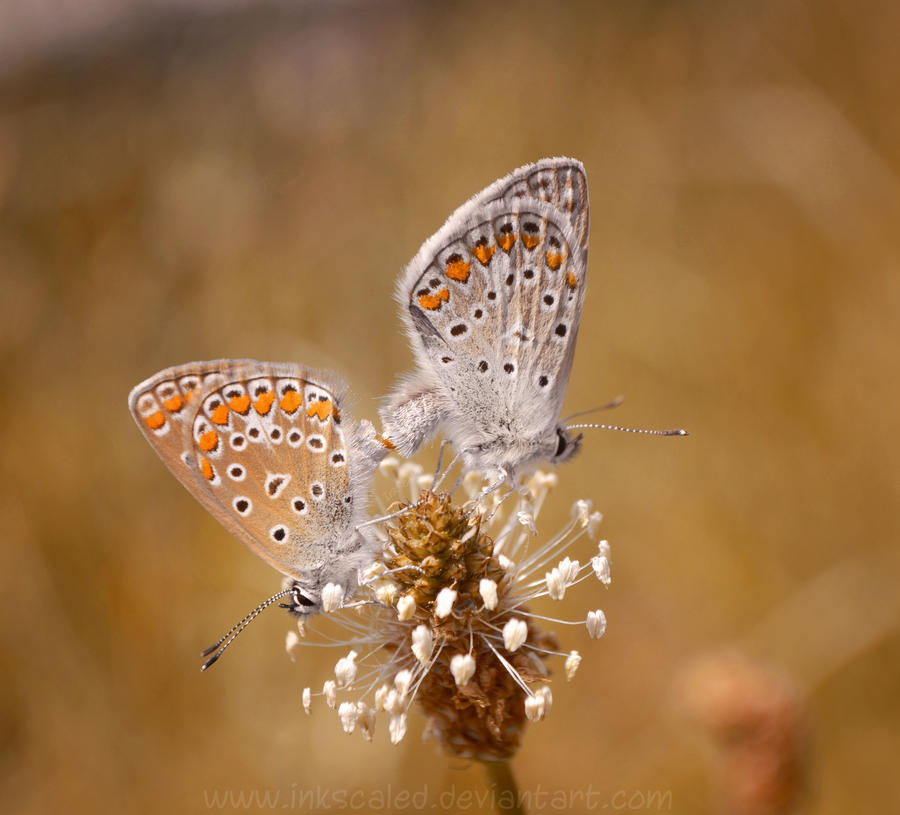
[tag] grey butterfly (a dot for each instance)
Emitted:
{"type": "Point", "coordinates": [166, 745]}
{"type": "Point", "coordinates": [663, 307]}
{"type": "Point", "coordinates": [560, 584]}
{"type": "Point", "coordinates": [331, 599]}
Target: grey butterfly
{"type": "Point", "coordinates": [264, 447]}
{"type": "Point", "coordinates": [491, 304]}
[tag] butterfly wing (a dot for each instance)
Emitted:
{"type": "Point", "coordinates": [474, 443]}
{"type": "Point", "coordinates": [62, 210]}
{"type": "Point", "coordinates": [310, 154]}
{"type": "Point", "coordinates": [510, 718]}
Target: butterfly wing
{"type": "Point", "coordinates": [262, 447]}
{"type": "Point", "coordinates": [493, 300]}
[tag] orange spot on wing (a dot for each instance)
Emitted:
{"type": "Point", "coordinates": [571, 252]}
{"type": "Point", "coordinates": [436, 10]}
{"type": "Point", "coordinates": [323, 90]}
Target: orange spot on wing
{"type": "Point", "coordinates": [264, 403]}
{"type": "Point", "coordinates": [458, 269]}
{"type": "Point", "coordinates": [320, 409]}
{"type": "Point", "coordinates": [207, 469]}
{"type": "Point", "coordinates": [433, 301]}
{"type": "Point", "coordinates": [554, 260]}
{"type": "Point", "coordinates": [530, 241]}
{"type": "Point", "coordinates": [386, 442]}
{"type": "Point", "coordinates": [570, 280]}
{"type": "Point", "coordinates": [220, 415]}
{"type": "Point", "coordinates": [174, 403]}
{"type": "Point", "coordinates": [155, 420]}
{"type": "Point", "coordinates": [505, 240]}
{"type": "Point", "coordinates": [209, 441]}
{"type": "Point", "coordinates": [483, 252]}
{"type": "Point", "coordinates": [291, 401]}
{"type": "Point", "coordinates": [240, 404]}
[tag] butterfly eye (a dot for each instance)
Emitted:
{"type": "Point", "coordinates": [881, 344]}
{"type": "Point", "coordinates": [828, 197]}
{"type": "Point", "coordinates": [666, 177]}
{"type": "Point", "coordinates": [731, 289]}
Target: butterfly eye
{"type": "Point", "coordinates": [561, 443]}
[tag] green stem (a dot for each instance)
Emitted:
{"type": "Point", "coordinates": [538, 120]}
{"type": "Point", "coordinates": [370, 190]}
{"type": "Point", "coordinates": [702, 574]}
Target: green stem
{"type": "Point", "coordinates": [503, 783]}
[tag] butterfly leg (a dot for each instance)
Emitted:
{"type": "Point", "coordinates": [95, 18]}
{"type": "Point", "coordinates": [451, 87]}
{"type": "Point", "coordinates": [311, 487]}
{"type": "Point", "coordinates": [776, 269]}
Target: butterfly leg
{"type": "Point", "coordinates": [440, 476]}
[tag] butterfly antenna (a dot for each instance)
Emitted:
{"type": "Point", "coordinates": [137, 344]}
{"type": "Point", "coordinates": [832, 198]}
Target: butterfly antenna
{"type": "Point", "coordinates": [239, 626]}
{"type": "Point", "coordinates": [613, 403]}
{"type": "Point", "coordinates": [629, 429]}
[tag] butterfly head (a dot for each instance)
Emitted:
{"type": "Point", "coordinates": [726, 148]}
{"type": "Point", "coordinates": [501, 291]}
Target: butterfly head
{"type": "Point", "coordinates": [567, 445]}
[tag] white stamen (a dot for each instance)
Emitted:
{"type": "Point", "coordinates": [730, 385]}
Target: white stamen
{"type": "Point", "coordinates": [366, 720]}
{"type": "Point", "coordinates": [548, 699]}
{"type": "Point", "coordinates": [345, 670]}
{"type": "Point", "coordinates": [568, 570]}
{"type": "Point", "coordinates": [390, 467]}
{"type": "Point", "coordinates": [488, 590]}
{"type": "Point", "coordinates": [581, 512]}
{"type": "Point", "coordinates": [348, 714]}
{"type": "Point", "coordinates": [556, 586]}
{"type": "Point", "coordinates": [601, 569]}
{"type": "Point", "coordinates": [397, 728]}
{"type": "Point", "coordinates": [594, 521]}
{"type": "Point", "coordinates": [381, 697]}
{"type": "Point", "coordinates": [534, 707]}
{"type": "Point", "coordinates": [526, 519]}
{"type": "Point", "coordinates": [386, 592]}
{"type": "Point", "coordinates": [375, 570]}
{"type": "Point", "coordinates": [604, 549]}
{"type": "Point", "coordinates": [409, 470]}
{"type": "Point", "coordinates": [422, 643]}
{"type": "Point", "coordinates": [301, 627]}
{"type": "Point", "coordinates": [291, 641]}
{"type": "Point", "coordinates": [572, 663]}
{"type": "Point", "coordinates": [306, 698]}
{"type": "Point", "coordinates": [596, 624]}
{"type": "Point", "coordinates": [423, 482]}
{"type": "Point", "coordinates": [393, 702]}
{"type": "Point", "coordinates": [505, 562]}
{"type": "Point", "coordinates": [329, 689]}
{"type": "Point", "coordinates": [515, 632]}
{"type": "Point", "coordinates": [402, 681]}
{"type": "Point", "coordinates": [332, 597]}
{"type": "Point", "coordinates": [406, 607]}
{"type": "Point", "coordinates": [443, 605]}
{"type": "Point", "coordinates": [462, 666]}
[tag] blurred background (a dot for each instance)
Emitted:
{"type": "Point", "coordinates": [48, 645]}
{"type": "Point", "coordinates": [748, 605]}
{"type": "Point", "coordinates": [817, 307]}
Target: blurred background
{"type": "Point", "coordinates": [189, 180]}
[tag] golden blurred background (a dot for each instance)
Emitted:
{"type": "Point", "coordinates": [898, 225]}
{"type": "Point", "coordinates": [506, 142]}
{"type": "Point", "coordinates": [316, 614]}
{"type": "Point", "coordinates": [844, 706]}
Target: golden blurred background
{"type": "Point", "coordinates": [181, 182]}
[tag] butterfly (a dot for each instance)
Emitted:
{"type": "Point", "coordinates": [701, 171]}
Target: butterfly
{"type": "Point", "coordinates": [491, 303]}
{"type": "Point", "coordinates": [264, 446]}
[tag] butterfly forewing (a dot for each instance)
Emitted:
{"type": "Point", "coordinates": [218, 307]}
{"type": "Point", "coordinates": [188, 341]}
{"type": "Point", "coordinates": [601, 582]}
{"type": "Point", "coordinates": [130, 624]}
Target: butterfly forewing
{"type": "Point", "coordinates": [495, 296]}
{"type": "Point", "coordinates": [262, 447]}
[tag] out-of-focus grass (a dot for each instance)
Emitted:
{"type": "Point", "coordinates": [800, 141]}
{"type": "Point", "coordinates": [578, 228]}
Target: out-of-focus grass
{"type": "Point", "coordinates": [252, 186]}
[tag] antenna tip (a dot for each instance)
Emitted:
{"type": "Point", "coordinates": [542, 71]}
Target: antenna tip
{"type": "Point", "coordinates": [679, 433]}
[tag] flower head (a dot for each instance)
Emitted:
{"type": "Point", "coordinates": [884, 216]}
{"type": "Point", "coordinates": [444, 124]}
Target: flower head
{"type": "Point", "coordinates": [444, 618]}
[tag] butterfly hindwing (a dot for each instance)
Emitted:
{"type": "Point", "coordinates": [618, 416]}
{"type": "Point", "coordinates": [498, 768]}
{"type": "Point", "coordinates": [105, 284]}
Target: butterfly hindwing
{"type": "Point", "coordinates": [263, 448]}
{"type": "Point", "coordinates": [493, 300]}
